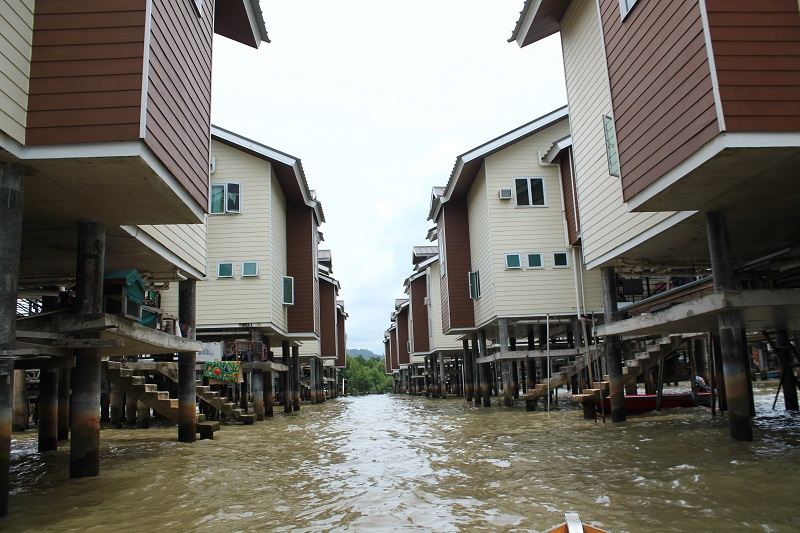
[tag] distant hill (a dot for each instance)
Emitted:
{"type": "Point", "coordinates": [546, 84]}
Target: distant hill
{"type": "Point", "coordinates": [363, 352]}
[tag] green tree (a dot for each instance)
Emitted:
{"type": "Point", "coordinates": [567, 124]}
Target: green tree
{"type": "Point", "coordinates": [366, 376]}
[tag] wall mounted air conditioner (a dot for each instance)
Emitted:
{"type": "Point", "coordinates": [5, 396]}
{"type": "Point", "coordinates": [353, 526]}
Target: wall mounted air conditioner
{"type": "Point", "coordinates": [504, 194]}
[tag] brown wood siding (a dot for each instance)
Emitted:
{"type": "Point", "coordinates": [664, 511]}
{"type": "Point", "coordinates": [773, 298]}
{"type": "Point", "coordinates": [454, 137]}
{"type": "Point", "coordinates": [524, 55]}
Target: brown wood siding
{"type": "Point", "coordinates": [341, 337]}
{"type": "Point", "coordinates": [457, 307]}
{"type": "Point", "coordinates": [300, 265]}
{"type": "Point", "coordinates": [402, 337]}
{"type": "Point", "coordinates": [393, 342]}
{"type": "Point", "coordinates": [179, 92]}
{"type": "Point", "coordinates": [387, 357]}
{"type": "Point", "coordinates": [327, 303]}
{"type": "Point", "coordinates": [757, 55]}
{"type": "Point", "coordinates": [568, 189]}
{"type": "Point", "coordinates": [661, 87]}
{"type": "Point", "coordinates": [86, 71]}
{"type": "Point", "coordinates": [419, 315]}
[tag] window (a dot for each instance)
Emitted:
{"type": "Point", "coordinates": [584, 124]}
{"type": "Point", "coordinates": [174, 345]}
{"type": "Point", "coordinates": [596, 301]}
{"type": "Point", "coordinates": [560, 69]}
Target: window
{"type": "Point", "coordinates": [249, 269]}
{"type": "Point", "coordinates": [530, 191]}
{"type": "Point", "coordinates": [513, 261]}
{"type": "Point", "coordinates": [560, 260]}
{"type": "Point", "coordinates": [225, 198]}
{"type": "Point", "coordinates": [611, 146]}
{"type": "Point", "coordinates": [535, 260]}
{"type": "Point", "coordinates": [288, 290]}
{"type": "Point", "coordinates": [625, 6]}
{"type": "Point", "coordinates": [474, 285]}
{"type": "Point", "coordinates": [225, 269]}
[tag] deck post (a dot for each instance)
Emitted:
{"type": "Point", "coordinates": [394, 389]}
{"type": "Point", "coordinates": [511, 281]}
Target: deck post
{"type": "Point", "coordinates": [63, 403]}
{"type": "Point", "coordinates": [484, 370]}
{"type": "Point", "coordinates": [469, 385]}
{"type": "Point", "coordinates": [116, 397]}
{"type": "Point", "coordinates": [257, 377]}
{"type": "Point", "coordinates": [11, 201]}
{"type": "Point", "coordinates": [295, 378]}
{"type": "Point", "coordinates": [530, 362]}
{"type": "Point", "coordinates": [187, 379]}
{"type": "Point", "coordinates": [48, 410]}
{"type": "Point", "coordinates": [613, 346]}
{"type": "Point", "coordinates": [784, 354]}
{"type": "Point", "coordinates": [142, 415]}
{"type": "Point", "coordinates": [476, 378]}
{"type": "Point", "coordinates": [130, 409]}
{"type": "Point", "coordinates": [269, 385]}
{"type": "Point", "coordinates": [312, 380]}
{"type": "Point", "coordinates": [84, 449]}
{"type": "Point", "coordinates": [732, 346]}
{"type": "Point", "coordinates": [512, 346]}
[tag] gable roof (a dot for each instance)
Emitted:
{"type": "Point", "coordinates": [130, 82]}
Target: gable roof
{"type": "Point", "coordinates": [537, 20]}
{"type": "Point", "coordinates": [242, 21]}
{"type": "Point", "coordinates": [288, 169]}
{"type": "Point", "coordinates": [468, 164]}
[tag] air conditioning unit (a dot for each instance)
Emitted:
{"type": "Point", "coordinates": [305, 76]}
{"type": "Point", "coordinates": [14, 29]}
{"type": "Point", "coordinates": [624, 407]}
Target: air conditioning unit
{"type": "Point", "coordinates": [427, 300]}
{"type": "Point", "coordinates": [504, 194]}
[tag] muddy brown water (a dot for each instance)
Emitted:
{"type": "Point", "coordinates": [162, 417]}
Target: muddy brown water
{"type": "Point", "coordinates": [399, 463]}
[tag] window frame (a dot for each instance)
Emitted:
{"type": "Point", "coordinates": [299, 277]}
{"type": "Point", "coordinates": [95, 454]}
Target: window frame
{"type": "Point", "coordinates": [258, 268]}
{"type": "Point", "coordinates": [608, 119]}
{"type": "Point", "coordinates": [225, 210]}
{"type": "Point", "coordinates": [528, 261]}
{"type": "Point", "coordinates": [566, 256]}
{"type": "Point", "coordinates": [528, 180]}
{"type": "Point", "coordinates": [474, 285]}
{"type": "Point", "coordinates": [625, 7]}
{"type": "Point", "coordinates": [233, 269]}
{"type": "Point", "coordinates": [519, 261]}
{"type": "Point", "coordinates": [286, 302]}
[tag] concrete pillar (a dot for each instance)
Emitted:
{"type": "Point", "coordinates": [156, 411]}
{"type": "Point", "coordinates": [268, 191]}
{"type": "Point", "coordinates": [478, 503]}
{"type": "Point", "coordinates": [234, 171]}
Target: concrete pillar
{"type": "Point", "coordinates": [286, 377]}
{"type": "Point", "coordinates": [269, 395]}
{"type": "Point", "coordinates": [187, 380]}
{"type": "Point", "coordinates": [732, 346]}
{"type": "Point", "coordinates": [469, 379]}
{"type": "Point", "coordinates": [63, 403]}
{"type": "Point", "coordinates": [485, 372]}
{"type": "Point", "coordinates": [296, 377]}
{"type": "Point", "coordinates": [48, 410]}
{"type": "Point", "coordinates": [442, 376]}
{"type": "Point", "coordinates": [613, 346]}
{"type": "Point", "coordinates": [11, 200]}
{"type": "Point", "coordinates": [142, 415]}
{"type": "Point", "coordinates": [505, 371]}
{"type": "Point", "coordinates": [512, 346]}
{"type": "Point", "coordinates": [784, 352]}
{"type": "Point", "coordinates": [530, 362]}
{"type": "Point", "coordinates": [130, 408]}
{"type": "Point", "coordinates": [312, 380]}
{"type": "Point", "coordinates": [116, 397]}
{"type": "Point", "coordinates": [84, 450]}
{"type": "Point", "coordinates": [21, 416]}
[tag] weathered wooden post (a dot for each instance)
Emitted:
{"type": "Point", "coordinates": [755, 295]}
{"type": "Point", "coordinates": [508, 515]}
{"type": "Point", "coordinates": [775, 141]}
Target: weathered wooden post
{"type": "Point", "coordinates": [187, 361]}
{"type": "Point", "coordinates": [530, 362]}
{"type": "Point", "coordinates": [783, 351]}
{"type": "Point", "coordinates": [732, 347]}
{"type": "Point", "coordinates": [63, 403]}
{"type": "Point", "coordinates": [286, 378]}
{"type": "Point", "coordinates": [48, 410]}
{"type": "Point", "coordinates": [512, 347]}
{"type": "Point", "coordinates": [84, 450]}
{"type": "Point", "coordinates": [312, 380]}
{"type": "Point", "coordinates": [116, 398]}
{"type": "Point", "coordinates": [469, 379]}
{"type": "Point", "coordinates": [613, 346]}
{"type": "Point", "coordinates": [485, 371]}
{"type": "Point", "coordinates": [505, 371]}
{"type": "Point", "coordinates": [296, 377]}
{"type": "Point", "coordinates": [20, 421]}
{"type": "Point", "coordinates": [442, 376]}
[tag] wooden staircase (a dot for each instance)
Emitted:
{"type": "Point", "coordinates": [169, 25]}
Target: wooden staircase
{"type": "Point", "coordinates": [148, 394]}
{"type": "Point", "coordinates": [556, 380]}
{"type": "Point", "coordinates": [654, 352]}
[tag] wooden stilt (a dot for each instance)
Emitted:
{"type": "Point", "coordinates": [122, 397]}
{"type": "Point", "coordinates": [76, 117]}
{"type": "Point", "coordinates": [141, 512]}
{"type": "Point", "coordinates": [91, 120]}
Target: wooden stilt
{"type": "Point", "coordinates": [296, 378]}
{"type": "Point", "coordinates": [63, 403]}
{"type": "Point", "coordinates": [130, 409]}
{"type": "Point", "coordinates": [469, 379]}
{"type": "Point", "coordinates": [48, 410]}
{"type": "Point", "coordinates": [21, 416]}
{"type": "Point", "coordinates": [286, 378]}
{"type": "Point", "coordinates": [505, 371]}
{"type": "Point", "coordinates": [85, 406]}
{"type": "Point", "coordinates": [142, 416]}
{"type": "Point", "coordinates": [613, 346]}
{"type": "Point", "coordinates": [484, 370]}
{"type": "Point", "coordinates": [187, 378]}
{"type": "Point", "coordinates": [442, 376]}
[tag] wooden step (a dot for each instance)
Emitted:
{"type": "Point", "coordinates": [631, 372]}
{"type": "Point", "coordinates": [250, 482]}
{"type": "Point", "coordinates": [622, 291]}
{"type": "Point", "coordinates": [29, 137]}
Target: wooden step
{"type": "Point", "coordinates": [207, 429]}
{"type": "Point", "coordinates": [139, 380]}
{"type": "Point", "coordinates": [114, 365]}
{"type": "Point", "coordinates": [150, 387]}
{"type": "Point", "coordinates": [246, 419]}
{"type": "Point", "coordinates": [201, 417]}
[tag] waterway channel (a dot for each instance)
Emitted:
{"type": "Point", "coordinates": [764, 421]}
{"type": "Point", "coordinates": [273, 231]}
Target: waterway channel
{"type": "Point", "coordinates": [399, 463]}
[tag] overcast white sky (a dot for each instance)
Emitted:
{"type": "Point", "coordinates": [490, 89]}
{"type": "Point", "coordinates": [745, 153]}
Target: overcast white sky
{"type": "Point", "coordinates": [378, 99]}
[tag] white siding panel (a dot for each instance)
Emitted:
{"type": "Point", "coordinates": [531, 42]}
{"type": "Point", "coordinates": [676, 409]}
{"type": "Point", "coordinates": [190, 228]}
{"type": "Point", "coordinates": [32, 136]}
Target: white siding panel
{"type": "Point", "coordinates": [310, 348]}
{"type": "Point", "coordinates": [239, 237]}
{"type": "Point", "coordinates": [187, 241]}
{"type": "Point", "coordinates": [278, 254]}
{"type": "Point", "coordinates": [480, 247]}
{"type": "Point", "coordinates": [16, 39]}
{"type": "Point", "coordinates": [530, 229]}
{"type": "Point", "coordinates": [606, 223]}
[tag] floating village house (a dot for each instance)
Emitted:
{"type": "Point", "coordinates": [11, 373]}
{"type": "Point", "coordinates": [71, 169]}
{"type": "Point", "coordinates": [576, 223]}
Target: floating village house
{"type": "Point", "coordinates": [331, 357]}
{"type": "Point", "coordinates": [261, 301]}
{"type": "Point", "coordinates": [510, 263]}
{"type": "Point", "coordinates": [686, 135]}
{"type": "Point", "coordinates": [104, 135]}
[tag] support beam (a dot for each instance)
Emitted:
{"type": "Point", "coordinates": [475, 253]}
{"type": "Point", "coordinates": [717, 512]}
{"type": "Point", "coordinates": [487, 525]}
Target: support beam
{"type": "Point", "coordinates": [484, 370]}
{"type": "Point", "coordinates": [21, 416]}
{"type": "Point", "coordinates": [187, 380]}
{"type": "Point", "coordinates": [130, 409]}
{"type": "Point", "coordinates": [442, 376]}
{"type": "Point", "coordinates": [505, 370]}
{"type": "Point", "coordinates": [613, 346]}
{"type": "Point", "coordinates": [48, 410]}
{"type": "Point", "coordinates": [732, 347]}
{"type": "Point", "coordinates": [142, 416]}
{"type": "Point", "coordinates": [286, 378]}
{"type": "Point", "coordinates": [63, 402]}
{"type": "Point", "coordinates": [469, 379]}
{"type": "Point", "coordinates": [84, 450]}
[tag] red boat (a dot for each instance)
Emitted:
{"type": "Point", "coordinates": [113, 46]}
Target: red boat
{"type": "Point", "coordinates": [640, 403]}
